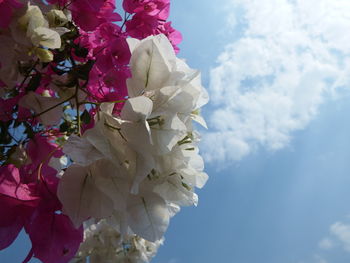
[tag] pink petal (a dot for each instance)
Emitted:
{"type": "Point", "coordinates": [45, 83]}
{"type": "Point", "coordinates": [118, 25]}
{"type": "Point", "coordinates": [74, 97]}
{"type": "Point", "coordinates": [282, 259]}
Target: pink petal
{"type": "Point", "coordinates": [12, 217]}
{"type": "Point", "coordinates": [54, 238]}
{"type": "Point", "coordinates": [11, 186]}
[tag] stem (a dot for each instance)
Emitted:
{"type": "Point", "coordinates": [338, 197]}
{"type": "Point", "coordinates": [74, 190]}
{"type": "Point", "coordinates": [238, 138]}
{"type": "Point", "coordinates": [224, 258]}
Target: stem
{"type": "Point", "coordinates": [28, 73]}
{"type": "Point", "coordinates": [126, 17]}
{"type": "Point", "coordinates": [77, 110]}
{"type": "Point", "coordinates": [54, 106]}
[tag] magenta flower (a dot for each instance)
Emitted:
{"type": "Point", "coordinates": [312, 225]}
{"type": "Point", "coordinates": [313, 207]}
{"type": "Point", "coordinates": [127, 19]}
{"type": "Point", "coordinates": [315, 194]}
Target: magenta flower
{"type": "Point", "coordinates": [156, 8]}
{"type": "Point", "coordinates": [16, 203]}
{"type": "Point", "coordinates": [142, 26]}
{"type": "Point", "coordinates": [95, 13]}
{"type": "Point", "coordinates": [172, 34]}
{"type": "Point", "coordinates": [6, 11]}
{"type": "Point", "coordinates": [54, 238]}
{"type": "Point", "coordinates": [28, 199]}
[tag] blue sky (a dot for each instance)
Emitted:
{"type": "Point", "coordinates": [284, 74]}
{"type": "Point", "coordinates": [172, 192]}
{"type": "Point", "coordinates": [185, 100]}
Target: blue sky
{"type": "Point", "coordinates": [284, 196]}
{"type": "Point", "coordinates": [277, 147]}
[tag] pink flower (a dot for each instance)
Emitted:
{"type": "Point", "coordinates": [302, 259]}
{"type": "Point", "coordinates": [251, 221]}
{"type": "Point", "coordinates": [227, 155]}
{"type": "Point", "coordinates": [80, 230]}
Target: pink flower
{"type": "Point", "coordinates": [6, 107]}
{"type": "Point", "coordinates": [108, 86]}
{"type": "Point", "coordinates": [11, 185]}
{"type": "Point", "coordinates": [54, 238]}
{"type": "Point", "coordinates": [109, 49]}
{"type": "Point", "coordinates": [6, 11]}
{"type": "Point", "coordinates": [114, 54]}
{"type": "Point", "coordinates": [16, 204]}
{"type": "Point", "coordinates": [14, 214]}
{"type": "Point", "coordinates": [40, 150]}
{"type": "Point", "coordinates": [60, 3]}
{"type": "Point", "coordinates": [142, 26]}
{"type": "Point", "coordinates": [156, 8]}
{"type": "Point", "coordinates": [89, 14]}
{"type": "Point", "coordinates": [172, 34]}
{"type": "Point", "coordinates": [28, 199]}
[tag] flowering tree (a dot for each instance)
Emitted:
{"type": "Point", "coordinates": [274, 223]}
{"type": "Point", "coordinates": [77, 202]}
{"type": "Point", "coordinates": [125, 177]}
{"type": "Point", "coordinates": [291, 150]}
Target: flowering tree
{"type": "Point", "coordinates": [98, 149]}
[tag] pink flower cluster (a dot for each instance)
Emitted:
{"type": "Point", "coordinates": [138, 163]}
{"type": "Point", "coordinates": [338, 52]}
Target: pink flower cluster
{"type": "Point", "coordinates": [89, 14]}
{"type": "Point", "coordinates": [101, 55]}
{"type": "Point", "coordinates": [150, 19]}
{"type": "Point", "coordinates": [108, 48]}
{"type": "Point", "coordinates": [7, 8]}
{"type": "Point", "coordinates": [28, 199]}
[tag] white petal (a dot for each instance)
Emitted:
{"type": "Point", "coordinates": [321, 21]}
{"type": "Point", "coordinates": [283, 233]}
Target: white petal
{"type": "Point", "coordinates": [148, 216]}
{"type": "Point", "coordinates": [80, 197]}
{"type": "Point", "coordinates": [173, 190]}
{"type": "Point", "coordinates": [168, 134]}
{"type": "Point", "coordinates": [81, 151]}
{"type": "Point", "coordinates": [149, 66]}
{"type": "Point", "coordinates": [45, 37]}
{"type": "Point", "coordinates": [173, 209]}
{"type": "Point", "coordinates": [133, 43]}
{"type": "Point", "coordinates": [199, 119]}
{"type": "Point", "coordinates": [136, 109]}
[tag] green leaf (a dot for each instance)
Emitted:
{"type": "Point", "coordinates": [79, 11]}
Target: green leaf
{"type": "Point", "coordinates": [85, 117]}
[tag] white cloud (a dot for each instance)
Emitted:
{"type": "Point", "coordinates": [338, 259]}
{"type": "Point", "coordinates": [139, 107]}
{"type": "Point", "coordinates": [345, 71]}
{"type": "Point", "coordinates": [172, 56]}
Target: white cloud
{"type": "Point", "coordinates": [342, 232]}
{"type": "Point", "coordinates": [272, 80]}
{"type": "Point", "coordinates": [326, 244]}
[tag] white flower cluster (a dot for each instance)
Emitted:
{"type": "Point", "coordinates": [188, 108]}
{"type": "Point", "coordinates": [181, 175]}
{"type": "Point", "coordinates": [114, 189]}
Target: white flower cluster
{"type": "Point", "coordinates": [105, 244]}
{"type": "Point", "coordinates": [134, 171]}
{"type": "Point", "coordinates": [31, 34]}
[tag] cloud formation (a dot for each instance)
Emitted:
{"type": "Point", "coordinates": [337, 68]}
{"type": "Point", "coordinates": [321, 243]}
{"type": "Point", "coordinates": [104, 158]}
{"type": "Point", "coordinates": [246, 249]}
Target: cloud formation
{"type": "Point", "coordinates": [342, 232]}
{"type": "Point", "coordinates": [272, 79]}
{"type": "Point", "coordinates": [339, 238]}
{"type": "Point", "coordinates": [326, 244]}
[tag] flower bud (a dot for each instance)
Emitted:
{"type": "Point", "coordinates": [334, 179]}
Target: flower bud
{"type": "Point", "coordinates": [43, 54]}
{"type": "Point", "coordinates": [19, 157]}
{"type": "Point", "coordinates": [56, 18]}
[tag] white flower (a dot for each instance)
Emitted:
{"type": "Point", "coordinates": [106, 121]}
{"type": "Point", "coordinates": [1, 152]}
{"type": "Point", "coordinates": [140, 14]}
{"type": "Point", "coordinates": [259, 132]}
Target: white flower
{"type": "Point", "coordinates": [81, 151]}
{"type": "Point", "coordinates": [32, 29]}
{"type": "Point", "coordinates": [136, 131]}
{"type": "Point", "coordinates": [145, 163]}
{"type": "Point", "coordinates": [43, 36]}
{"type": "Point", "coordinates": [92, 191]}
{"type": "Point", "coordinates": [103, 243]}
{"type": "Point", "coordinates": [148, 215]}
{"type": "Point", "coordinates": [56, 18]}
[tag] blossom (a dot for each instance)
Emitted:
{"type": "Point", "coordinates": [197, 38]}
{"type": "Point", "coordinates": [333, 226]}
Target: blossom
{"type": "Point", "coordinates": [102, 242]}
{"type": "Point", "coordinates": [150, 19]}
{"type": "Point", "coordinates": [108, 148]}
{"type": "Point", "coordinates": [110, 51]}
{"type": "Point", "coordinates": [7, 8]}
{"type": "Point", "coordinates": [17, 203]}
{"type": "Point", "coordinates": [33, 29]}
{"type": "Point", "coordinates": [96, 12]}
{"type": "Point", "coordinates": [149, 149]}
{"type": "Point", "coordinates": [79, 191]}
